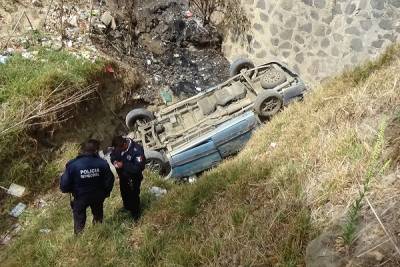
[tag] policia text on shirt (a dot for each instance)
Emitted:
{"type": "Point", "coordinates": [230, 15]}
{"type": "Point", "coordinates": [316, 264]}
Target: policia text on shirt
{"type": "Point", "coordinates": [90, 180]}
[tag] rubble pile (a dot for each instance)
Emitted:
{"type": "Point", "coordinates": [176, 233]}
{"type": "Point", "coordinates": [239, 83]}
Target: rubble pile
{"type": "Point", "coordinates": [50, 25]}
{"type": "Point", "coordinates": [172, 46]}
{"type": "Point", "coordinates": [165, 40]}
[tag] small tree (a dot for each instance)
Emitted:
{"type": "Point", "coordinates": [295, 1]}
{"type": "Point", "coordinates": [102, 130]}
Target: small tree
{"type": "Point", "coordinates": [235, 18]}
{"type": "Point", "coordinates": [206, 8]}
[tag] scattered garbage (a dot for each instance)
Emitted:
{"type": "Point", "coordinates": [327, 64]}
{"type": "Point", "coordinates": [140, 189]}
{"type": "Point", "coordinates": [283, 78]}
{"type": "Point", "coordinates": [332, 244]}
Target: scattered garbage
{"type": "Point", "coordinates": [14, 190]}
{"type": "Point", "coordinates": [3, 59]}
{"type": "Point", "coordinates": [108, 20]}
{"type": "Point", "coordinates": [166, 96]}
{"type": "Point", "coordinates": [158, 191]}
{"type": "Point", "coordinates": [40, 204]}
{"type": "Point", "coordinates": [192, 179]}
{"type": "Point", "coordinates": [273, 145]}
{"type": "Point", "coordinates": [188, 14]}
{"type": "Point", "coordinates": [109, 69]}
{"type": "Point", "coordinates": [45, 231]}
{"type": "Point", "coordinates": [27, 55]}
{"type": "Point", "coordinates": [18, 210]}
{"type": "Point", "coordinates": [165, 38]}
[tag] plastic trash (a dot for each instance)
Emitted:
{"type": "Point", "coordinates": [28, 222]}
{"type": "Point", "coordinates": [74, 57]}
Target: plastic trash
{"type": "Point", "coordinates": [109, 69]}
{"type": "Point", "coordinates": [188, 14]}
{"type": "Point", "coordinates": [14, 190]}
{"type": "Point", "coordinates": [41, 204]}
{"type": "Point", "coordinates": [166, 96]}
{"type": "Point", "coordinates": [3, 59]}
{"type": "Point", "coordinates": [18, 210]}
{"type": "Point", "coordinates": [45, 231]}
{"type": "Point", "coordinates": [27, 55]}
{"type": "Point", "coordinates": [192, 179]}
{"type": "Point", "coordinates": [158, 191]}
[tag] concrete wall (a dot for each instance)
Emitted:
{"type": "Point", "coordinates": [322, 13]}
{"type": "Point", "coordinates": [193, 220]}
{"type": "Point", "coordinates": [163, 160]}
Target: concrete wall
{"type": "Point", "coordinates": [317, 38]}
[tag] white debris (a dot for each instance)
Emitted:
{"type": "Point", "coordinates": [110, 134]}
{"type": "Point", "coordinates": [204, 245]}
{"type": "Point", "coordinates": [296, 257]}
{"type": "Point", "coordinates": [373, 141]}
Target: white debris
{"type": "Point", "coordinates": [27, 55]}
{"type": "Point", "coordinates": [148, 62]}
{"type": "Point", "coordinates": [41, 204]}
{"type": "Point", "coordinates": [69, 43]}
{"type": "Point", "coordinates": [108, 20]}
{"type": "Point", "coordinates": [188, 14]}
{"type": "Point", "coordinates": [3, 59]}
{"type": "Point", "coordinates": [45, 231]}
{"type": "Point", "coordinates": [14, 190]}
{"type": "Point", "coordinates": [101, 26]}
{"type": "Point", "coordinates": [73, 21]}
{"type": "Point", "coordinates": [192, 179]}
{"type": "Point", "coordinates": [158, 191]}
{"type": "Point", "coordinates": [273, 145]}
{"type": "Point", "coordinates": [18, 210]}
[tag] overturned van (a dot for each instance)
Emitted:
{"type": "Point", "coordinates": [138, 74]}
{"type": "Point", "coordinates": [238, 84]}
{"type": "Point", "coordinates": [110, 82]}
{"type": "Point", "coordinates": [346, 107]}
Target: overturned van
{"type": "Point", "coordinates": [195, 134]}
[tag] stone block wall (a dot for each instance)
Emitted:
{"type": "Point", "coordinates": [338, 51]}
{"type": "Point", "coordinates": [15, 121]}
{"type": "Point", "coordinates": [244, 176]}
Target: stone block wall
{"type": "Point", "coordinates": [316, 38]}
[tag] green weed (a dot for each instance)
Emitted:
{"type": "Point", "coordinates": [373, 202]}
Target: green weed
{"type": "Point", "coordinates": [375, 168]}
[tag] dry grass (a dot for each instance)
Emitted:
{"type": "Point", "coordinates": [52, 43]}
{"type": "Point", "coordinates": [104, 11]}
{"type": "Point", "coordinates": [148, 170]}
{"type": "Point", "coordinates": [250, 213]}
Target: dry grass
{"type": "Point", "coordinates": [262, 207]}
{"type": "Point", "coordinates": [280, 198]}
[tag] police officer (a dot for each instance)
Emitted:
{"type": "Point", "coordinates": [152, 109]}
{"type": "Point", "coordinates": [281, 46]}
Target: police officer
{"type": "Point", "coordinates": [90, 180]}
{"type": "Point", "coordinates": [129, 160]}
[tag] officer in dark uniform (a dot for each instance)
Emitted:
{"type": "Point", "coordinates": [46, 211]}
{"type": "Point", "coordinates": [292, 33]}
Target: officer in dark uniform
{"type": "Point", "coordinates": [129, 160]}
{"type": "Point", "coordinates": [90, 180]}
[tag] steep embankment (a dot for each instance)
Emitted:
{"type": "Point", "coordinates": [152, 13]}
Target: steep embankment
{"type": "Point", "coordinates": [46, 97]}
{"type": "Point", "coordinates": [316, 38]}
{"type": "Point", "coordinates": [299, 175]}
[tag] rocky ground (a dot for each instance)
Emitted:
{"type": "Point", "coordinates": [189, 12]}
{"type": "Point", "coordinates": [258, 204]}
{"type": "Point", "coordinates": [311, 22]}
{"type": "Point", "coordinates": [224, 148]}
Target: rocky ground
{"type": "Point", "coordinates": [168, 44]}
{"type": "Point", "coordinates": [173, 48]}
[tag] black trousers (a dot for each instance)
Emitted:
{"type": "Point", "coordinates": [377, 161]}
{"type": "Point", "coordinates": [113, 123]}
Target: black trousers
{"type": "Point", "coordinates": [81, 203]}
{"type": "Point", "coordinates": [130, 194]}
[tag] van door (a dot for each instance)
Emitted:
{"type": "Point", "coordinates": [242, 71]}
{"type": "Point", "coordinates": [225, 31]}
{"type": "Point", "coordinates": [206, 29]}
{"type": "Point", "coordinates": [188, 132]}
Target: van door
{"type": "Point", "coordinates": [195, 160]}
{"type": "Point", "coordinates": [234, 135]}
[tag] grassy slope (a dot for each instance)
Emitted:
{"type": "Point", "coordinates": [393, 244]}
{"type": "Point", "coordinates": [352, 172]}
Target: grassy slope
{"type": "Point", "coordinates": [23, 84]}
{"type": "Point", "coordinates": [261, 207]}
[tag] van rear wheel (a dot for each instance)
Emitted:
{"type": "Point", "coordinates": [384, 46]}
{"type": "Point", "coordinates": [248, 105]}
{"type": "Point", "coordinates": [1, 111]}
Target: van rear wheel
{"type": "Point", "coordinates": [156, 162]}
{"type": "Point", "coordinates": [268, 103]}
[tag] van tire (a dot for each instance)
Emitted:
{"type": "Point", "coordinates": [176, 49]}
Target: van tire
{"type": "Point", "coordinates": [272, 78]}
{"type": "Point", "coordinates": [156, 162]}
{"type": "Point", "coordinates": [268, 103]}
{"type": "Point", "coordinates": [138, 114]}
{"type": "Point", "coordinates": [238, 65]}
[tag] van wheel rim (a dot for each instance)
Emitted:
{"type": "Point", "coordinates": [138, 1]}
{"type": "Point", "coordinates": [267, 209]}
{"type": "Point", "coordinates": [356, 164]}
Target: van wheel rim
{"type": "Point", "coordinates": [154, 165]}
{"type": "Point", "coordinates": [270, 105]}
